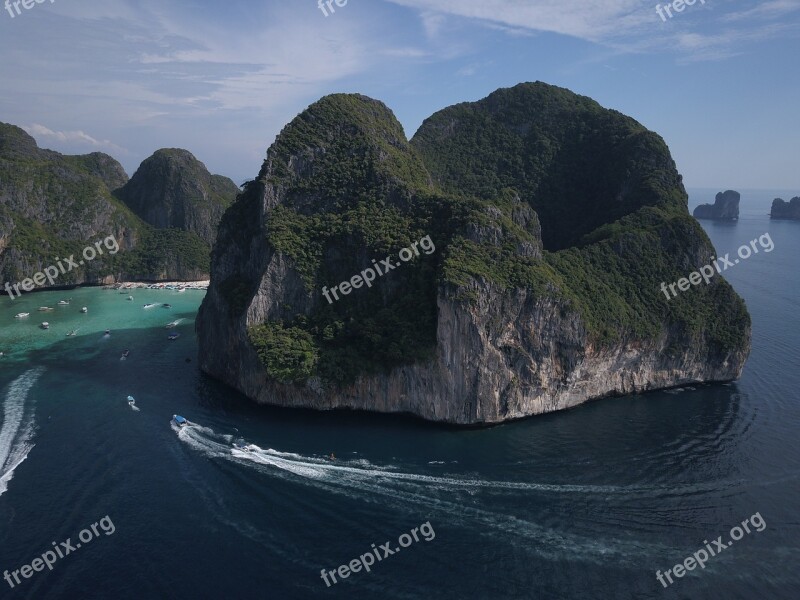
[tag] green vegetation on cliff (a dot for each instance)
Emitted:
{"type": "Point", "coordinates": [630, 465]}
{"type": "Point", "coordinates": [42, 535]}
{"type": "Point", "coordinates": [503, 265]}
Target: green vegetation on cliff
{"type": "Point", "coordinates": [53, 205]}
{"type": "Point", "coordinates": [532, 188]}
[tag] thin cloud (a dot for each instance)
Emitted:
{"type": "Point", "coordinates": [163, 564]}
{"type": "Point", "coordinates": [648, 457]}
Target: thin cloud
{"type": "Point", "coordinates": [79, 138]}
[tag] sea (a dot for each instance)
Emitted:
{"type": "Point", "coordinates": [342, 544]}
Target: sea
{"type": "Point", "coordinates": [101, 498]}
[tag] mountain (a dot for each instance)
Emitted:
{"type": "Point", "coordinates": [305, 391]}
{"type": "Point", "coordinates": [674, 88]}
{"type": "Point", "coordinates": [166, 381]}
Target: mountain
{"type": "Point", "coordinates": [53, 206]}
{"type": "Point", "coordinates": [725, 207]}
{"type": "Point", "coordinates": [553, 223]}
{"type": "Point", "coordinates": [785, 210]}
{"type": "Point", "coordinates": [172, 189]}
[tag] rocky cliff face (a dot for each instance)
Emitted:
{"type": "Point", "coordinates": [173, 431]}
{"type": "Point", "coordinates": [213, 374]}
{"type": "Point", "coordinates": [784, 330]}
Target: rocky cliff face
{"type": "Point", "coordinates": [515, 313]}
{"type": "Point", "coordinates": [725, 207]}
{"type": "Point", "coordinates": [53, 205]}
{"type": "Point", "coordinates": [786, 210]}
{"type": "Point", "coordinates": [172, 189]}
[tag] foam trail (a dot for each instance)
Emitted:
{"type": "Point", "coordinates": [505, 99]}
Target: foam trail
{"type": "Point", "coordinates": [17, 429]}
{"type": "Point", "coordinates": [205, 439]}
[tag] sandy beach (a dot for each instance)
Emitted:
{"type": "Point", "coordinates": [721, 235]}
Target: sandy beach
{"type": "Point", "coordinates": [164, 285]}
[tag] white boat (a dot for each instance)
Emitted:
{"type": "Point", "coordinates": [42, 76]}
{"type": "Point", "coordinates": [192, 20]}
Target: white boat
{"type": "Point", "coordinates": [150, 305]}
{"type": "Point", "coordinates": [46, 309]}
{"type": "Point", "coordinates": [63, 302]}
{"type": "Point", "coordinates": [84, 310]}
{"type": "Point", "coordinates": [45, 325]}
{"type": "Point", "coordinates": [130, 298]}
{"type": "Point", "coordinates": [22, 315]}
{"type": "Point", "coordinates": [173, 324]}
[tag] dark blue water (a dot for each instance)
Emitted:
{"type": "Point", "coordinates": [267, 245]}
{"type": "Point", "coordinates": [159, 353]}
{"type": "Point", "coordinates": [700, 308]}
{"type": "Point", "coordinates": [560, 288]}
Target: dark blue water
{"type": "Point", "coordinates": [587, 503]}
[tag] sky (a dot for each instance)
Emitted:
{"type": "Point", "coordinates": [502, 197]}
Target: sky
{"type": "Point", "coordinates": [719, 80]}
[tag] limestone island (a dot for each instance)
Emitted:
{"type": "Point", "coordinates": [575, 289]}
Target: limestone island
{"type": "Point", "coordinates": [554, 221]}
{"type": "Point", "coordinates": [786, 210]}
{"type": "Point", "coordinates": [725, 207]}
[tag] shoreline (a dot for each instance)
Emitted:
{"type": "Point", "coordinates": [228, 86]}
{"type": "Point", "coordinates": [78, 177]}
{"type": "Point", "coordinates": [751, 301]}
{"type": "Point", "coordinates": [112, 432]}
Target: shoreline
{"type": "Point", "coordinates": [161, 285]}
{"type": "Point", "coordinates": [127, 285]}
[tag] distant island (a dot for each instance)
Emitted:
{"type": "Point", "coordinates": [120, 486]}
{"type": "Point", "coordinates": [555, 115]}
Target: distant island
{"type": "Point", "coordinates": [786, 210]}
{"type": "Point", "coordinates": [725, 207]}
{"type": "Point", "coordinates": [553, 219]}
{"type": "Point", "coordinates": [51, 205]}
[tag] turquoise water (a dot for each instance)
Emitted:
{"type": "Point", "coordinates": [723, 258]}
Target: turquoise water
{"type": "Point", "coordinates": [587, 503]}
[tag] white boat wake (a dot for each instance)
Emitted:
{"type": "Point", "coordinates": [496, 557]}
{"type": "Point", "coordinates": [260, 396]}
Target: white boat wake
{"type": "Point", "coordinates": [18, 426]}
{"type": "Point", "coordinates": [389, 486]}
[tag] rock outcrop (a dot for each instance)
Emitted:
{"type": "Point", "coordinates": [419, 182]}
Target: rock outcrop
{"type": "Point", "coordinates": [725, 207]}
{"type": "Point", "coordinates": [52, 205]}
{"type": "Point", "coordinates": [172, 189]}
{"type": "Point", "coordinates": [554, 223]}
{"type": "Point", "coordinates": [786, 210]}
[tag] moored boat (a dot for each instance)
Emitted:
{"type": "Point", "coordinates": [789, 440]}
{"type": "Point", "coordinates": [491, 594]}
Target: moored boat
{"type": "Point", "coordinates": [64, 302]}
{"type": "Point", "coordinates": [22, 315]}
{"type": "Point", "coordinates": [84, 310]}
{"type": "Point", "coordinates": [45, 325]}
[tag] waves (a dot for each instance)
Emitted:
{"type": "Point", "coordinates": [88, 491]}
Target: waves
{"type": "Point", "coordinates": [18, 426]}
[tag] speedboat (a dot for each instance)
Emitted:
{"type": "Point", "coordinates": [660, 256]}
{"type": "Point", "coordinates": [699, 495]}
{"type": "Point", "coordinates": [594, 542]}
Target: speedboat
{"type": "Point", "coordinates": [150, 305]}
{"type": "Point", "coordinates": [182, 289]}
{"type": "Point", "coordinates": [45, 325]}
{"type": "Point", "coordinates": [125, 355]}
{"type": "Point", "coordinates": [46, 309]}
{"type": "Point", "coordinates": [244, 447]}
{"type": "Point", "coordinates": [131, 400]}
{"type": "Point", "coordinates": [22, 315]}
{"type": "Point", "coordinates": [63, 302]}
{"type": "Point", "coordinates": [174, 336]}
{"type": "Point", "coordinates": [84, 310]}
{"type": "Point", "coordinates": [167, 305]}
{"type": "Point", "coordinates": [179, 421]}
{"type": "Point", "coordinates": [173, 324]}
{"type": "Point", "coordinates": [108, 332]}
